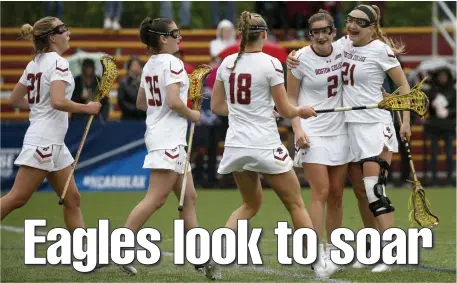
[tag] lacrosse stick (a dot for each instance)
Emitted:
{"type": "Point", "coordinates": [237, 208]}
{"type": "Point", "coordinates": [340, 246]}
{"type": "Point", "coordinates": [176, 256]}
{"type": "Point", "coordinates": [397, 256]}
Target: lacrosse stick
{"type": "Point", "coordinates": [420, 205]}
{"type": "Point", "coordinates": [415, 101]}
{"type": "Point", "coordinates": [195, 95]}
{"type": "Point", "coordinates": [109, 75]}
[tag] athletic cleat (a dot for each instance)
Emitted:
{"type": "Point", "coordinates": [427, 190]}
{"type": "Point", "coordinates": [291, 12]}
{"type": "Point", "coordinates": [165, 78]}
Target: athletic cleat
{"type": "Point", "coordinates": [320, 267]}
{"type": "Point", "coordinates": [199, 267]}
{"type": "Point", "coordinates": [357, 264]}
{"type": "Point", "coordinates": [331, 266]}
{"type": "Point", "coordinates": [129, 269]}
{"type": "Point", "coordinates": [381, 267]}
{"type": "Point", "coordinates": [212, 271]}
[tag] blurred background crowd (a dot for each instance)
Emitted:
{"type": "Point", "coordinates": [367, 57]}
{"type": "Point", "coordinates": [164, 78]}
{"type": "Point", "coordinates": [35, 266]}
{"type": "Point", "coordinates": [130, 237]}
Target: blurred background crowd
{"type": "Point", "coordinates": [287, 22]}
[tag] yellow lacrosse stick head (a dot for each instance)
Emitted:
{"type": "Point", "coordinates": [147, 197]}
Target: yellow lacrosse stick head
{"type": "Point", "coordinates": [109, 75]}
{"type": "Point", "coordinates": [419, 206]}
{"type": "Point", "coordinates": [415, 100]}
{"type": "Point", "coordinates": [196, 80]}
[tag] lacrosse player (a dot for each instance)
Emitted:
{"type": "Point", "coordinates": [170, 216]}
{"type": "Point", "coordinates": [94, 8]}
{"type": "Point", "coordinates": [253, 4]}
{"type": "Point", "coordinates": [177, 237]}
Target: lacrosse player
{"type": "Point", "coordinates": [247, 87]}
{"type": "Point", "coordinates": [368, 55]}
{"type": "Point", "coordinates": [48, 83]}
{"type": "Point", "coordinates": [322, 145]}
{"type": "Point", "coordinates": [163, 95]}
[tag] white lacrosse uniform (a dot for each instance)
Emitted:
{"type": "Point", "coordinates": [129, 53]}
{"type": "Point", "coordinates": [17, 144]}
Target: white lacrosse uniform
{"type": "Point", "coordinates": [364, 70]}
{"type": "Point", "coordinates": [321, 87]}
{"type": "Point", "coordinates": [44, 146]}
{"type": "Point", "coordinates": [166, 130]}
{"type": "Point", "coordinates": [252, 142]}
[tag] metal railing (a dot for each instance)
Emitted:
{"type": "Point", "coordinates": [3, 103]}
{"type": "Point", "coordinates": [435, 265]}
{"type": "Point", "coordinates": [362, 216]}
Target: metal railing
{"type": "Point", "coordinates": [439, 27]}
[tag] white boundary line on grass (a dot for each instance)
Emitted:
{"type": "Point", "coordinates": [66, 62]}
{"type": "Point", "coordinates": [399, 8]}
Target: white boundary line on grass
{"type": "Point", "coordinates": [264, 270]}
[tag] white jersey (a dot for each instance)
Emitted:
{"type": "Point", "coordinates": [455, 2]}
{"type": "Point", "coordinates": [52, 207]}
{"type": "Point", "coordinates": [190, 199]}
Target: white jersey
{"type": "Point", "coordinates": [249, 99]}
{"type": "Point", "coordinates": [47, 125]}
{"type": "Point", "coordinates": [321, 87]}
{"type": "Point", "coordinates": [364, 70]}
{"type": "Point", "coordinates": [166, 129]}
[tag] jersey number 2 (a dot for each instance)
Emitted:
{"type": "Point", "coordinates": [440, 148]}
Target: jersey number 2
{"type": "Point", "coordinates": [243, 91]}
{"type": "Point", "coordinates": [333, 85]}
{"type": "Point", "coordinates": [155, 91]}
{"type": "Point", "coordinates": [30, 88]}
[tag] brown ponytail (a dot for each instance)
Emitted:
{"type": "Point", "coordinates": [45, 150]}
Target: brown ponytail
{"type": "Point", "coordinates": [397, 47]}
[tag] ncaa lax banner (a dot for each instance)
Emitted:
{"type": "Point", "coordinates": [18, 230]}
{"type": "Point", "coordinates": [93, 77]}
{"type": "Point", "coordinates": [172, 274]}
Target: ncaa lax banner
{"type": "Point", "coordinates": [112, 157]}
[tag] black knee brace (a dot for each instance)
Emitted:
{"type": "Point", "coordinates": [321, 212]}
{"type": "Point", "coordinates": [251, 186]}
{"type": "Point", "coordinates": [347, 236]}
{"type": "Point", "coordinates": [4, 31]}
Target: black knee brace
{"type": "Point", "coordinates": [383, 201]}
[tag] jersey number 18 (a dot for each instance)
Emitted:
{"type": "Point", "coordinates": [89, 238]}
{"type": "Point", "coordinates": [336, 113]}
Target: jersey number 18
{"type": "Point", "coordinates": [243, 91]}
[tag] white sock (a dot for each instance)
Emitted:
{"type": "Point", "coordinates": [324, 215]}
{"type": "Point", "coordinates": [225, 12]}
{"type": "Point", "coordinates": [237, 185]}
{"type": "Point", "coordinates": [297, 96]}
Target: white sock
{"type": "Point", "coordinates": [320, 249]}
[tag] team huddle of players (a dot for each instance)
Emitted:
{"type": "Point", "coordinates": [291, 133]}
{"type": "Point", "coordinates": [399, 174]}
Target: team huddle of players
{"type": "Point", "coordinates": [249, 85]}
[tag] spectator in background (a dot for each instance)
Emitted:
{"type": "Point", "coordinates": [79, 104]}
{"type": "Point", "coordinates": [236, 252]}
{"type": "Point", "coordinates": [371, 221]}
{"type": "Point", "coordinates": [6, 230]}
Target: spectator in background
{"type": "Point", "coordinates": [166, 11]}
{"type": "Point", "coordinates": [85, 91]}
{"type": "Point", "coordinates": [113, 11]}
{"type": "Point", "coordinates": [390, 87]}
{"type": "Point", "coordinates": [275, 15]}
{"type": "Point", "coordinates": [208, 133]}
{"type": "Point", "coordinates": [299, 13]}
{"type": "Point", "coordinates": [441, 123]}
{"type": "Point", "coordinates": [225, 37]}
{"type": "Point", "coordinates": [230, 11]}
{"type": "Point", "coordinates": [128, 91]}
{"type": "Point", "coordinates": [48, 6]}
{"type": "Point", "coordinates": [334, 8]}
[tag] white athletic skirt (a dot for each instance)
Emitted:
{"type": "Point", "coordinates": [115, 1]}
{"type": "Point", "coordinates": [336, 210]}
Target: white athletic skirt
{"type": "Point", "coordinates": [267, 161]}
{"type": "Point", "coordinates": [369, 139]}
{"type": "Point", "coordinates": [171, 159]}
{"type": "Point", "coordinates": [325, 150]}
{"type": "Point", "coordinates": [50, 158]}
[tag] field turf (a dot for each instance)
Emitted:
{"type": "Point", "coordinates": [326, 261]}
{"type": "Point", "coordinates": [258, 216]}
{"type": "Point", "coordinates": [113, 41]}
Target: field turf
{"type": "Point", "coordinates": [213, 209]}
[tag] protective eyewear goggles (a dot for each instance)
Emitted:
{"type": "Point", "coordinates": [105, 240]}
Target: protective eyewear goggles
{"type": "Point", "coordinates": [176, 33]}
{"type": "Point", "coordinates": [363, 23]}
{"type": "Point", "coordinates": [60, 29]}
{"type": "Point", "coordinates": [316, 31]}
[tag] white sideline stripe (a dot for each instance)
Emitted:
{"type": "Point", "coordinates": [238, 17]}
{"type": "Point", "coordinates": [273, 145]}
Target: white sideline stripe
{"type": "Point", "coordinates": [110, 153]}
{"type": "Point", "coordinates": [264, 270]}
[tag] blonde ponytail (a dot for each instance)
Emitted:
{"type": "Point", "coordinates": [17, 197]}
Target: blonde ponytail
{"type": "Point", "coordinates": [244, 26]}
{"type": "Point", "coordinates": [27, 32]}
{"type": "Point", "coordinates": [397, 47]}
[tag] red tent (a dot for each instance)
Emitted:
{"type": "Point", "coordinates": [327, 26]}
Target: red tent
{"type": "Point", "coordinates": [270, 47]}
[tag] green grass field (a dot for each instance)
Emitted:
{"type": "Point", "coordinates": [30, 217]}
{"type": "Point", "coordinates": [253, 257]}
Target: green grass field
{"type": "Point", "coordinates": [213, 208]}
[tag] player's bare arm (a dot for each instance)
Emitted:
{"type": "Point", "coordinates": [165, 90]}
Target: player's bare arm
{"type": "Point", "coordinates": [176, 104]}
{"type": "Point", "coordinates": [17, 98]}
{"type": "Point", "coordinates": [399, 78]}
{"type": "Point", "coordinates": [219, 104]}
{"type": "Point", "coordinates": [60, 102]}
{"type": "Point", "coordinates": [141, 103]}
{"type": "Point", "coordinates": [293, 86]}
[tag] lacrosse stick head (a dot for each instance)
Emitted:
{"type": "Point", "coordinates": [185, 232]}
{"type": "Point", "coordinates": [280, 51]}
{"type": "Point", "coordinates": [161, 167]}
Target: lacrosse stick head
{"type": "Point", "coordinates": [415, 100]}
{"type": "Point", "coordinates": [196, 80]}
{"type": "Point", "coordinates": [420, 210]}
{"type": "Point", "coordinates": [109, 75]}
